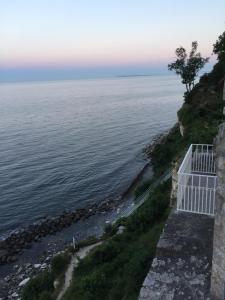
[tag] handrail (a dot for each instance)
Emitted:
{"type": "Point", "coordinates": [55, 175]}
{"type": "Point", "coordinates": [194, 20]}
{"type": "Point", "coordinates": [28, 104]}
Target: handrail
{"type": "Point", "coordinates": [198, 158]}
{"type": "Point", "coordinates": [200, 175]}
{"type": "Point", "coordinates": [189, 149]}
{"type": "Point", "coordinates": [202, 145]}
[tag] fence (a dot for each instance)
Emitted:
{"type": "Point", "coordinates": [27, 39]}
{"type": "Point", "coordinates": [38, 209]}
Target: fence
{"type": "Point", "coordinates": [197, 181]}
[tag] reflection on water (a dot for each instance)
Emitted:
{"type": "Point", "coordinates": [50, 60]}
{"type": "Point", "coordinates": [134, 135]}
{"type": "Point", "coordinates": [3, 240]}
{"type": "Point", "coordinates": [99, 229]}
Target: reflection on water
{"type": "Point", "coordinates": [67, 143]}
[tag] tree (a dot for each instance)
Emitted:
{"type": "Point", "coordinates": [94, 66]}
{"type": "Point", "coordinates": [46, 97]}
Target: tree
{"type": "Point", "coordinates": [188, 66]}
{"type": "Point", "coordinates": [218, 72]}
{"type": "Point", "coordinates": [219, 47]}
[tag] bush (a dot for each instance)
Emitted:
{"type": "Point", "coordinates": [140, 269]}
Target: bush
{"type": "Point", "coordinates": [41, 287]}
{"type": "Point", "coordinates": [109, 230]}
{"type": "Point", "coordinates": [152, 209]}
{"type": "Point", "coordinates": [37, 285]}
{"type": "Point", "coordinates": [165, 153]}
{"type": "Point", "coordinates": [59, 264]}
{"type": "Point", "coordinates": [88, 241]}
{"type": "Point", "coordinates": [106, 252]}
{"type": "Point", "coordinates": [45, 296]}
{"type": "Point", "coordinates": [143, 187]}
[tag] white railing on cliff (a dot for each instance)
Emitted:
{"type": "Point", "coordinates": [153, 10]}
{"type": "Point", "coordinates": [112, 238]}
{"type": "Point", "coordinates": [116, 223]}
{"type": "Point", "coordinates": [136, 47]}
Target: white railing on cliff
{"type": "Point", "coordinates": [197, 180]}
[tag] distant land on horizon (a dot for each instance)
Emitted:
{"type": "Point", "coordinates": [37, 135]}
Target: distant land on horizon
{"type": "Point", "coordinates": [53, 74]}
{"type": "Point", "coordinates": [137, 75]}
{"type": "Point", "coordinates": [38, 74]}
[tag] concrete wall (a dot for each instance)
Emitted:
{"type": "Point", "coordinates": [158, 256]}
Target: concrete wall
{"type": "Point", "coordinates": [218, 265]}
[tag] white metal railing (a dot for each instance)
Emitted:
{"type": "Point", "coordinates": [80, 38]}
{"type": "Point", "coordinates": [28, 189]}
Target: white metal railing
{"type": "Point", "coordinates": [203, 159]}
{"type": "Point", "coordinates": [197, 180]}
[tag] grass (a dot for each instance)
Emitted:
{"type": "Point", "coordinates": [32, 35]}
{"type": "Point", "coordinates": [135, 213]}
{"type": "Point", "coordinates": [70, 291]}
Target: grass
{"type": "Point", "coordinates": [87, 242]}
{"type": "Point", "coordinates": [165, 153]}
{"type": "Point", "coordinates": [117, 268]}
{"type": "Point", "coordinates": [41, 287]}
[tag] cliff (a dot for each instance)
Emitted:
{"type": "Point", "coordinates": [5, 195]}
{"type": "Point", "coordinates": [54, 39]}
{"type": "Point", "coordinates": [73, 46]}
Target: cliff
{"type": "Point", "coordinates": [189, 261]}
{"type": "Point", "coordinates": [117, 268]}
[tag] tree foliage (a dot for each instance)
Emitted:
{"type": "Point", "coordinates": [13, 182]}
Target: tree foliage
{"type": "Point", "coordinates": [219, 46]}
{"type": "Point", "coordinates": [188, 66]}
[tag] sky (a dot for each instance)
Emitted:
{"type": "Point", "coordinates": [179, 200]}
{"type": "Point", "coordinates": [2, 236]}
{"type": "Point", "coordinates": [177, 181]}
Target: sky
{"type": "Point", "coordinates": [63, 39]}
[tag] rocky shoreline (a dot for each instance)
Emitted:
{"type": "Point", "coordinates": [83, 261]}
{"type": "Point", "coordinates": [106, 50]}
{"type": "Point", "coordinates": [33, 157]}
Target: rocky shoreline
{"type": "Point", "coordinates": [12, 246]}
{"type": "Point", "coordinates": [12, 285]}
{"type": "Point", "coordinates": [37, 258]}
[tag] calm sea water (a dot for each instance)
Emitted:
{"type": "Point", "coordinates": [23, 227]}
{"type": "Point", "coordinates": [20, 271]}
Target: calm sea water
{"type": "Point", "coordinates": [68, 143]}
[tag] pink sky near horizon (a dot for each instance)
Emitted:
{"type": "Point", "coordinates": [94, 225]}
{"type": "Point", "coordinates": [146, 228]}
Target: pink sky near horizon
{"type": "Point", "coordinates": [56, 34]}
{"type": "Point", "coordinates": [93, 57]}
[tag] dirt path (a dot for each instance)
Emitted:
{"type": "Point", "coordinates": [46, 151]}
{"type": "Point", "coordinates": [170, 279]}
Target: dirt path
{"type": "Point", "coordinates": [73, 263]}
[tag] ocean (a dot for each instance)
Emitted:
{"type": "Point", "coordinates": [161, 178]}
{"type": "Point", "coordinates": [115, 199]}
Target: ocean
{"type": "Point", "coordinates": [65, 144]}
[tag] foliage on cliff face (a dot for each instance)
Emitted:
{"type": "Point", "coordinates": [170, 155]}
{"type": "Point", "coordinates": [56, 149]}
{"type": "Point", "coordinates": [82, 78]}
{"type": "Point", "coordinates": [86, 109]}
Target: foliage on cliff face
{"type": "Point", "coordinates": [117, 268]}
{"type": "Point", "coordinates": [219, 47]}
{"type": "Point", "coordinates": [200, 114]}
{"type": "Point", "coordinates": [218, 71]}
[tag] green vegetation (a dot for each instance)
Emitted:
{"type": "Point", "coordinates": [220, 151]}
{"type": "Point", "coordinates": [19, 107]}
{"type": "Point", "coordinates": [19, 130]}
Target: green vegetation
{"type": "Point", "coordinates": [143, 187]}
{"type": "Point", "coordinates": [41, 287]}
{"type": "Point", "coordinates": [218, 71]}
{"type": "Point", "coordinates": [166, 152]}
{"type": "Point", "coordinates": [188, 66]}
{"type": "Point", "coordinates": [117, 268]}
{"type": "Point", "coordinates": [110, 230]}
{"type": "Point", "coordinates": [84, 243]}
{"type": "Point", "coordinates": [59, 264]}
{"type": "Point", "coordinates": [38, 287]}
{"type": "Point", "coordinates": [200, 115]}
{"type": "Point", "coordinates": [219, 48]}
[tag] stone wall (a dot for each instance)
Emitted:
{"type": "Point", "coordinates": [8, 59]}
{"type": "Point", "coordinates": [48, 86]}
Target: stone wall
{"type": "Point", "coordinates": [218, 265]}
{"type": "Point", "coordinates": [181, 269]}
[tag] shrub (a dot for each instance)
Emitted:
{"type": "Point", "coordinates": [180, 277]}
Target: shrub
{"type": "Point", "coordinates": [59, 264]}
{"type": "Point", "coordinates": [41, 287]}
{"type": "Point", "coordinates": [45, 296]}
{"type": "Point", "coordinates": [143, 187]}
{"type": "Point", "coordinates": [37, 285]}
{"type": "Point", "coordinates": [88, 241]}
{"type": "Point", "coordinates": [109, 230]}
